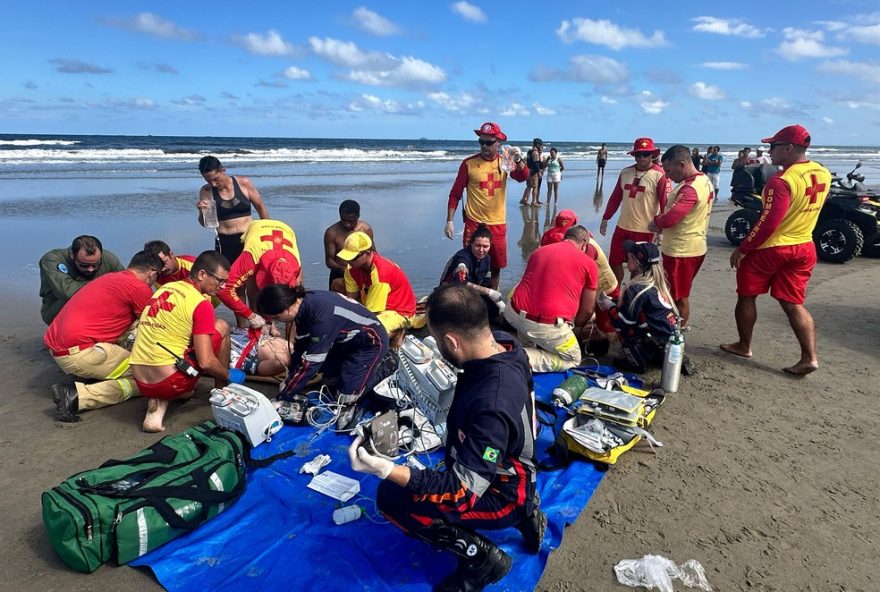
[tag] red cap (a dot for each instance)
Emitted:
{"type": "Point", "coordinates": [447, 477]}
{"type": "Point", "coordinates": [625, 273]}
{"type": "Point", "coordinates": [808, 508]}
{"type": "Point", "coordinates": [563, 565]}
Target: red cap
{"type": "Point", "coordinates": [644, 145]}
{"type": "Point", "coordinates": [283, 271]}
{"type": "Point", "coordinates": [566, 218]}
{"type": "Point", "coordinates": [792, 134]}
{"type": "Point", "coordinates": [490, 128]}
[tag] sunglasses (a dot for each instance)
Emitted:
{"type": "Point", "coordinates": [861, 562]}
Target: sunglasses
{"type": "Point", "coordinates": [778, 144]}
{"type": "Point", "coordinates": [486, 142]}
{"type": "Point", "coordinates": [643, 154]}
{"type": "Point", "coordinates": [222, 280]}
{"type": "Point", "coordinates": [87, 266]}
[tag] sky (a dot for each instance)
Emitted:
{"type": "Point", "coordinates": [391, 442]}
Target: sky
{"type": "Point", "coordinates": [718, 72]}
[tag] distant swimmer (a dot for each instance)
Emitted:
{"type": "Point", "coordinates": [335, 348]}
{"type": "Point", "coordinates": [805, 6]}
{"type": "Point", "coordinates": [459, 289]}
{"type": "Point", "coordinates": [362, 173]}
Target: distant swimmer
{"type": "Point", "coordinates": [778, 255]}
{"type": "Point", "coordinates": [233, 197]}
{"type": "Point", "coordinates": [334, 241]}
{"type": "Point", "coordinates": [601, 159]}
{"type": "Point", "coordinates": [486, 184]}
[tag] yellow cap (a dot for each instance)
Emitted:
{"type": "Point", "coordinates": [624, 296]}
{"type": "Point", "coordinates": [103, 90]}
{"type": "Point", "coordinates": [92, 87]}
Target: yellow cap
{"type": "Point", "coordinates": [355, 244]}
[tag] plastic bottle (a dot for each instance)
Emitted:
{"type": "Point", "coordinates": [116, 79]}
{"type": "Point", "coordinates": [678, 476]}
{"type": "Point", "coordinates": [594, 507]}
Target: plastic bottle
{"type": "Point", "coordinates": [209, 216]}
{"type": "Point", "coordinates": [570, 390]}
{"type": "Point", "coordinates": [672, 359]}
{"type": "Point", "coordinates": [347, 514]}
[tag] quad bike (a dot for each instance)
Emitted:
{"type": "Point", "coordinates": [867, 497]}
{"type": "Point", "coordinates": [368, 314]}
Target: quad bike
{"type": "Point", "coordinates": [848, 224]}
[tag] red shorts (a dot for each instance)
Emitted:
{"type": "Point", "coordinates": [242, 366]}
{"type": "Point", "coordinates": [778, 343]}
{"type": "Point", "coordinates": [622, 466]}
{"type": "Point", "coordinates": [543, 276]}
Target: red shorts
{"type": "Point", "coordinates": [178, 383]}
{"type": "Point", "coordinates": [783, 271]}
{"type": "Point", "coordinates": [680, 273]}
{"type": "Point", "coordinates": [498, 252]}
{"type": "Point", "coordinates": [603, 320]}
{"type": "Point", "coordinates": [617, 255]}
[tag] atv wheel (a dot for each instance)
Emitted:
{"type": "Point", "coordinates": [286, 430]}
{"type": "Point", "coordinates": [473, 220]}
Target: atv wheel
{"type": "Point", "coordinates": [739, 224]}
{"type": "Point", "coordinates": [838, 240]}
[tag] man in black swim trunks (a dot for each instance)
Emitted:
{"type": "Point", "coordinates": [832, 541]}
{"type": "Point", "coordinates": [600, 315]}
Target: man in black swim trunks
{"type": "Point", "coordinates": [233, 198]}
{"type": "Point", "coordinates": [334, 241]}
{"type": "Point", "coordinates": [601, 159]}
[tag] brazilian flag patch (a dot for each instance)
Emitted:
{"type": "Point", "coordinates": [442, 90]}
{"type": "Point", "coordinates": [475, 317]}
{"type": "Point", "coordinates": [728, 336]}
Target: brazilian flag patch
{"type": "Point", "coordinates": [490, 454]}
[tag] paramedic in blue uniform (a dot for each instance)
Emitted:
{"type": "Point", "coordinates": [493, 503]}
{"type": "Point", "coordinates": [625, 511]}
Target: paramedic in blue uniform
{"type": "Point", "coordinates": [334, 335]}
{"type": "Point", "coordinates": [489, 476]}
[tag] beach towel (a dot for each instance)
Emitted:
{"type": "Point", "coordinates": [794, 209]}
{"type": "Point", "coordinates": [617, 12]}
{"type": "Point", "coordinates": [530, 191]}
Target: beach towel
{"type": "Point", "coordinates": [280, 535]}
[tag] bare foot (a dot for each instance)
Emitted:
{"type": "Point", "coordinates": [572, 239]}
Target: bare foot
{"type": "Point", "coordinates": [155, 414]}
{"type": "Point", "coordinates": [736, 349]}
{"type": "Point", "coordinates": [802, 368]}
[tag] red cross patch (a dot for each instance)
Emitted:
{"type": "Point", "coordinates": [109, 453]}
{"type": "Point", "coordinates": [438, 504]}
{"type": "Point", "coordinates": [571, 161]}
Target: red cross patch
{"type": "Point", "coordinates": [160, 303]}
{"type": "Point", "coordinates": [814, 189]}
{"type": "Point", "coordinates": [490, 184]}
{"type": "Point", "coordinates": [634, 188]}
{"type": "Point", "coordinates": [277, 239]}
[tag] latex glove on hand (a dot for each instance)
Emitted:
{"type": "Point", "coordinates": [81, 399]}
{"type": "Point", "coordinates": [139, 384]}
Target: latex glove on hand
{"type": "Point", "coordinates": [494, 295]}
{"type": "Point", "coordinates": [501, 306]}
{"type": "Point", "coordinates": [449, 230]}
{"type": "Point", "coordinates": [255, 321]}
{"type": "Point", "coordinates": [364, 462]}
{"type": "Point", "coordinates": [605, 302]}
{"type": "Point", "coordinates": [237, 376]}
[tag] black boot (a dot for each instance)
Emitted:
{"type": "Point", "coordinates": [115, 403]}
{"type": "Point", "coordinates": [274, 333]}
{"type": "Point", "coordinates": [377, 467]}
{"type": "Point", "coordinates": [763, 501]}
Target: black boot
{"type": "Point", "coordinates": [66, 402]}
{"type": "Point", "coordinates": [532, 529]}
{"type": "Point", "coordinates": [480, 561]}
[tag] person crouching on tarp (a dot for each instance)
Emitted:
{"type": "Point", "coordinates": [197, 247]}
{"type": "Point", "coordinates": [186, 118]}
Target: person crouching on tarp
{"type": "Point", "coordinates": [470, 267]}
{"type": "Point", "coordinates": [489, 476]}
{"type": "Point", "coordinates": [333, 335]}
{"type": "Point", "coordinates": [645, 318]}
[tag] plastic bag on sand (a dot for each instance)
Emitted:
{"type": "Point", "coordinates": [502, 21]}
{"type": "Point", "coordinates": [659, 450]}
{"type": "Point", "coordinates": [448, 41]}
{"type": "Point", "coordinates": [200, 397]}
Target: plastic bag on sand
{"type": "Point", "coordinates": [654, 571]}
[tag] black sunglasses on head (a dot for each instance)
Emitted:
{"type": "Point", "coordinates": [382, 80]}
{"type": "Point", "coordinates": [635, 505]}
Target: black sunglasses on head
{"type": "Point", "coordinates": [486, 142]}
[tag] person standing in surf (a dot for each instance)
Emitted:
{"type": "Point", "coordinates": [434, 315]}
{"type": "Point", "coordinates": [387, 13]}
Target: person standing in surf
{"type": "Point", "coordinates": [234, 198]}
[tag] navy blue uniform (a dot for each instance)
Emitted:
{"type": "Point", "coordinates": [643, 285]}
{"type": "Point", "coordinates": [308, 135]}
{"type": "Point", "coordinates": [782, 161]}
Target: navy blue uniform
{"type": "Point", "coordinates": [489, 481]}
{"type": "Point", "coordinates": [339, 336]}
{"type": "Point", "coordinates": [478, 271]}
{"type": "Point", "coordinates": [644, 323]}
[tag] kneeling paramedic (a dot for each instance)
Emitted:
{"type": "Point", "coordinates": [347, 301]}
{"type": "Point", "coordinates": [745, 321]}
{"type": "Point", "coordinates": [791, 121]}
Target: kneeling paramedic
{"type": "Point", "coordinates": [489, 481]}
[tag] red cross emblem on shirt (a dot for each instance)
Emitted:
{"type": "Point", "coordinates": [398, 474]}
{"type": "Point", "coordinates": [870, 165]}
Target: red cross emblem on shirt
{"type": "Point", "coordinates": [814, 189]}
{"type": "Point", "coordinates": [277, 239]}
{"type": "Point", "coordinates": [160, 303]}
{"type": "Point", "coordinates": [634, 188]}
{"type": "Point", "coordinates": [490, 184]}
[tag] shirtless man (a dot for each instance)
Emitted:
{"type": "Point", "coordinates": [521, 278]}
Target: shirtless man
{"type": "Point", "coordinates": [233, 197]}
{"type": "Point", "coordinates": [601, 159]}
{"type": "Point", "coordinates": [334, 241]}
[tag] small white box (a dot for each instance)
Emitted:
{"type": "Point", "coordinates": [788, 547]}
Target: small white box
{"type": "Point", "coordinates": [246, 411]}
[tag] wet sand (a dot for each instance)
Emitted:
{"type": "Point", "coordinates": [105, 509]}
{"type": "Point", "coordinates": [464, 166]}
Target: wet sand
{"type": "Point", "coordinates": [769, 481]}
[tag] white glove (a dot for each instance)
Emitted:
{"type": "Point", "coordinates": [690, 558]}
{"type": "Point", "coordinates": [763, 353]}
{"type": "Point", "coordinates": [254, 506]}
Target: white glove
{"type": "Point", "coordinates": [364, 462]}
{"type": "Point", "coordinates": [495, 295]}
{"type": "Point", "coordinates": [605, 302]}
{"type": "Point", "coordinates": [501, 306]}
{"type": "Point", "coordinates": [255, 321]}
{"type": "Point", "coordinates": [449, 231]}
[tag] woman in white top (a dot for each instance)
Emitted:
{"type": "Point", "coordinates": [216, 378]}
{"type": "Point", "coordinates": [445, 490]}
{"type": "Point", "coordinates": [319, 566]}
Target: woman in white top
{"type": "Point", "coordinates": [553, 172]}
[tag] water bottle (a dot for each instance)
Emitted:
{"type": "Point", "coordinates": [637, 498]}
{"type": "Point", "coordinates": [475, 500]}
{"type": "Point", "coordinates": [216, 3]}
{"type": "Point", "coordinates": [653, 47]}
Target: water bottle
{"type": "Point", "coordinates": [209, 216]}
{"type": "Point", "coordinates": [672, 359]}
{"type": "Point", "coordinates": [347, 514]}
{"type": "Point", "coordinates": [570, 390]}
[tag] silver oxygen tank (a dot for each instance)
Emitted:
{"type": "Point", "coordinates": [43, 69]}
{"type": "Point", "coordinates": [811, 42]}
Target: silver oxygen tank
{"type": "Point", "coordinates": [672, 359]}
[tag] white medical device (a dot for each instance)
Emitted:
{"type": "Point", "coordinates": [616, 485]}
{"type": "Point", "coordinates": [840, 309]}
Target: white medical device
{"type": "Point", "coordinates": [246, 411]}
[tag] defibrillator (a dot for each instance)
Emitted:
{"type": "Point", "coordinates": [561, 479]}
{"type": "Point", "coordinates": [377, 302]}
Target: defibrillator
{"type": "Point", "coordinates": [246, 411]}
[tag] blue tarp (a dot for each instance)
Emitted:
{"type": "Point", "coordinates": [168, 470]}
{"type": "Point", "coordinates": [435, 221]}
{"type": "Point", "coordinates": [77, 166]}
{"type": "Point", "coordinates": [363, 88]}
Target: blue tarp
{"type": "Point", "coordinates": [280, 535]}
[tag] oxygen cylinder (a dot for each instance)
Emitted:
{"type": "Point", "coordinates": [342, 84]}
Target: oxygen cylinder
{"type": "Point", "coordinates": [570, 390]}
{"type": "Point", "coordinates": [672, 359]}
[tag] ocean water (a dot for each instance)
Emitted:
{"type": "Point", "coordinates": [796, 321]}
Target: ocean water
{"type": "Point", "coordinates": [130, 189]}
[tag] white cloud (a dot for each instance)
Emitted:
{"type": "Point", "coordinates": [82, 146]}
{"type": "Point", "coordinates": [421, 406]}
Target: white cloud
{"type": "Point", "coordinates": [827, 119]}
{"type": "Point", "coordinates": [651, 104]}
{"type": "Point", "coordinates": [832, 25]}
{"type": "Point", "coordinates": [374, 68]}
{"type": "Point", "coordinates": [869, 72]}
{"type": "Point", "coordinates": [800, 43]}
{"type": "Point", "coordinates": [190, 101]}
{"type": "Point", "coordinates": [294, 73]}
{"type": "Point", "coordinates": [515, 110]}
{"type": "Point", "coordinates": [724, 65]}
{"type": "Point", "coordinates": [598, 70]}
{"type": "Point", "coordinates": [469, 12]}
{"type": "Point", "coordinates": [735, 27]}
{"type": "Point", "coordinates": [604, 32]}
{"type": "Point", "coordinates": [701, 90]}
{"type": "Point", "coordinates": [153, 24]}
{"type": "Point", "coordinates": [374, 23]}
{"type": "Point", "coordinates": [745, 104]}
{"type": "Point", "coordinates": [462, 102]}
{"type": "Point", "coordinates": [373, 103]}
{"type": "Point", "coordinates": [608, 100]}
{"type": "Point", "coordinates": [542, 110]}
{"type": "Point", "coordinates": [270, 44]}
{"type": "Point", "coordinates": [347, 53]}
{"type": "Point", "coordinates": [864, 34]}
{"type": "Point", "coordinates": [773, 106]}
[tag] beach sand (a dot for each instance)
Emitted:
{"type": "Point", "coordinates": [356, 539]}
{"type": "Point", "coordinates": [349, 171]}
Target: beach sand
{"type": "Point", "coordinates": [769, 481]}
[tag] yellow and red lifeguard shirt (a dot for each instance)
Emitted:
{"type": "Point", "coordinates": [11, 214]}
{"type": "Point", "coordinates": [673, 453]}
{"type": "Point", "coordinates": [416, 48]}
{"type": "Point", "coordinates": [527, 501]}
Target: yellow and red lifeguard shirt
{"type": "Point", "coordinates": [270, 255]}
{"type": "Point", "coordinates": [607, 279]}
{"type": "Point", "coordinates": [175, 313]}
{"type": "Point", "coordinates": [793, 199]}
{"type": "Point", "coordinates": [386, 285]}
{"type": "Point", "coordinates": [640, 195]}
{"type": "Point", "coordinates": [486, 184]}
{"type": "Point", "coordinates": [685, 220]}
